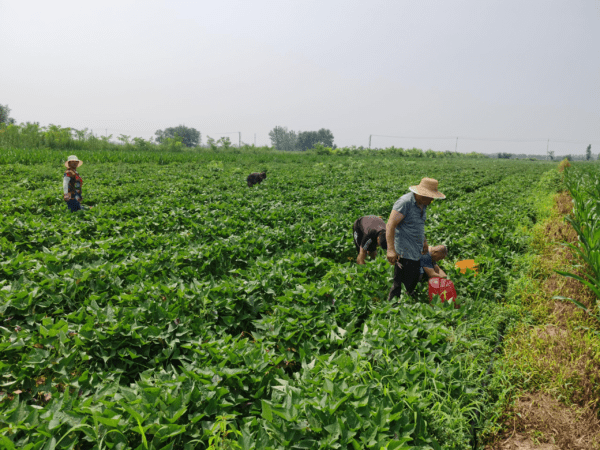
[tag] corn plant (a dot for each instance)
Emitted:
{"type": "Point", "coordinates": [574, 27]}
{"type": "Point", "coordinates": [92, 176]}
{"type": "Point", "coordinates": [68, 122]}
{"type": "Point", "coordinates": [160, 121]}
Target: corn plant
{"type": "Point", "coordinates": [585, 191]}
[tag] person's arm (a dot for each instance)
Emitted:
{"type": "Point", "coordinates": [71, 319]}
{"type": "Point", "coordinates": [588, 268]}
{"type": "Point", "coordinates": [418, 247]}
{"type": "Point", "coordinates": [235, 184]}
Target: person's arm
{"type": "Point", "coordinates": [425, 247]}
{"type": "Point", "coordinates": [66, 194]}
{"type": "Point", "coordinates": [362, 255]}
{"type": "Point", "coordinates": [364, 246]}
{"type": "Point", "coordinates": [435, 272]}
{"type": "Point", "coordinates": [390, 233]}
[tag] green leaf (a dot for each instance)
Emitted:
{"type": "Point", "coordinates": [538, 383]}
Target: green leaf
{"type": "Point", "coordinates": [267, 411]}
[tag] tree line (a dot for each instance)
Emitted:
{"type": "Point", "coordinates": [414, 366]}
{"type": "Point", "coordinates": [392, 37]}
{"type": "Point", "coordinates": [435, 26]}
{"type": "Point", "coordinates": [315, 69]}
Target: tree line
{"type": "Point", "coordinates": [175, 138]}
{"type": "Point", "coordinates": [289, 140]}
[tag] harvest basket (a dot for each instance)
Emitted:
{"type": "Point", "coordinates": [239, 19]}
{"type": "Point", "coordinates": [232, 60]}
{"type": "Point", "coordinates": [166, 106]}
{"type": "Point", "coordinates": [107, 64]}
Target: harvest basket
{"type": "Point", "coordinates": [442, 287]}
{"type": "Point", "coordinates": [467, 264]}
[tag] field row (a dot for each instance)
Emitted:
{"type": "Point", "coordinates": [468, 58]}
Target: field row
{"type": "Point", "coordinates": [186, 307]}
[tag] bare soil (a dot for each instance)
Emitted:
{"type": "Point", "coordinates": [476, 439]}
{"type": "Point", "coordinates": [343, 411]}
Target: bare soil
{"type": "Point", "coordinates": [541, 422]}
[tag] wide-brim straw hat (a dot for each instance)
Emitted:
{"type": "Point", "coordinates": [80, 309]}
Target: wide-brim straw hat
{"type": "Point", "coordinates": [428, 187]}
{"type": "Point", "coordinates": [73, 158]}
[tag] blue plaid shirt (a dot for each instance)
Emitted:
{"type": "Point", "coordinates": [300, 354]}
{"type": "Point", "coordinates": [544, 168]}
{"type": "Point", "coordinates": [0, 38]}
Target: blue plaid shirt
{"type": "Point", "coordinates": [410, 232]}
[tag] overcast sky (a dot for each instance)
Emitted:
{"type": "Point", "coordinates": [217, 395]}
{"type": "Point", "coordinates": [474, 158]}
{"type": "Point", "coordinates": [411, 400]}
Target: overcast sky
{"type": "Point", "coordinates": [505, 70]}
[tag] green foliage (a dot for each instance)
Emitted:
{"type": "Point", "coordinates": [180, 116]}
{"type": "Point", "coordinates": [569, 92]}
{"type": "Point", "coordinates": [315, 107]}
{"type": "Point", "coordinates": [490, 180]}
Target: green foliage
{"type": "Point", "coordinates": [57, 137]}
{"type": "Point", "coordinates": [283, 139]}
{"type": "Point", "coordinates": [584, 188]}
{"type": "Point", "coordinates": [5, 116]}
{"type": "Point", "coordinates": [188, 311]}
{"type": "Point", "coordinates": [172, 144]}
{"type": "Point", "coordinates": [552, 181]}
{"type": "Point", "coordinates": [308, 139]}
{"type": "Point", "coordinates": [223, 143]}
{"type": "Point", "coordinates": [190, 137]}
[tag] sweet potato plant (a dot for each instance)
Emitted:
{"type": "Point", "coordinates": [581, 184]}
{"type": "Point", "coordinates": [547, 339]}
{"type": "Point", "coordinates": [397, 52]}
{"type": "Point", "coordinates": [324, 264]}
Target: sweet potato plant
{"type": "Point", "coordinates": [186, 310]}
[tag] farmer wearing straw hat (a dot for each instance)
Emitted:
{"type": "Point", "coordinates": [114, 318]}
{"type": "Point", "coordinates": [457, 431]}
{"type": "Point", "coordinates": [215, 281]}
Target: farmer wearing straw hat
{"type": "Point", "coordinates": [72, 184]}
{"type": "Point", "coordinates": [406, 229]}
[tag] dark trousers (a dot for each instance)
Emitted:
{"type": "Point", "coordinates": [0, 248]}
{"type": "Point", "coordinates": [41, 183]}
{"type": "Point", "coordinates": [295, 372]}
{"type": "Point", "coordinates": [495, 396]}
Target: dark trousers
{"type": "Point", "coordinates": [73, 205]}
{"type": "Point", "coordinates": [407, 275]}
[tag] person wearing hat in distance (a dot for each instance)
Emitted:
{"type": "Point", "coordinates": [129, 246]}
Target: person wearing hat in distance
{"type": "Point", "coordinates": [72, 183]}
{"type": "Point", "coordinates": [405, 228]}
{"type": "Point", "coordinates": [429, 268]}
{"type": "Point", "coordinates": [368, 233]}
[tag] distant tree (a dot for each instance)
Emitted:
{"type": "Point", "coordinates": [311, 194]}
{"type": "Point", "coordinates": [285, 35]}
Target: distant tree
{"type": "Point", "coordinates": [551, 155]}
{"type": "Point", "coordinates": [308, 139]}
{"type": "Point", "coordinates": [504, 155]}
{"type": "Point", "coordinates": [224, 142]}
{"type": "Point", "coordinates": [325, 137]}
{"type": "Point", "coordinates": [190, 137]}
{"type": "Point", "coordinates": [588, 152]}
{"type": "Point", "coordinates": [569, 158]}
{"type": "Point", "coordinates": [283, 139]}
{"type": "Point", "coordinates": [5, 115]}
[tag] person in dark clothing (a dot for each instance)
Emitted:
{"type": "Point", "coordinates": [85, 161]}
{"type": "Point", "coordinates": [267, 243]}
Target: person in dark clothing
{"type": "Point", "coordinates": [72, 183]}
{"type": "Point", "coordinates": [256, 178]}
{"type": "Point", "coordinates": [368, 233]}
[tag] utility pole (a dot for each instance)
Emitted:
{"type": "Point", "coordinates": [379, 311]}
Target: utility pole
{"type": "Point", "coordinates": [255, 139]}
{"type": "Point", "coordinates": [370, 140]}
{"type": "Point", "coordinates": [239, 139]}
{"type": "Point", "coordinates": [548, 148]}
{"type": "Point", "coordinates": [456, 146]}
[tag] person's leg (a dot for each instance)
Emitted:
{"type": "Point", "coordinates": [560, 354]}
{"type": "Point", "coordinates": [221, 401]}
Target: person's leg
{"type": "Point", "coordinates": [407, 275]}
{"type": "Point", "coordinates": [411, 275]}
{"type": "Point", "coordinates": [73, 205]}
{"type": "Point", "coordinates": [397, 284]}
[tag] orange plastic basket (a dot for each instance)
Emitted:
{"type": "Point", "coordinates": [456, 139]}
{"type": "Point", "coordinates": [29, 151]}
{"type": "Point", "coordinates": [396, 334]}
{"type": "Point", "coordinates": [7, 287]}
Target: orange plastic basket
{"type": "Point", "coordinates": [467, 264]}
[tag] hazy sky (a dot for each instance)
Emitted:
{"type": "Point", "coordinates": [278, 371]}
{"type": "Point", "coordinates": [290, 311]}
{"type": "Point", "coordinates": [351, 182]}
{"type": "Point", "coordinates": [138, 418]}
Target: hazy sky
{"type": "Point", "coordinates": [523, 70]}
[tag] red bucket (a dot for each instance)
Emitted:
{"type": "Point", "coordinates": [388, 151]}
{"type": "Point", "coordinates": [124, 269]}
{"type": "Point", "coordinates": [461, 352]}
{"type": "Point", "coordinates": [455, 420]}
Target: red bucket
{"type": "Point", "coordinates": [442, 287]}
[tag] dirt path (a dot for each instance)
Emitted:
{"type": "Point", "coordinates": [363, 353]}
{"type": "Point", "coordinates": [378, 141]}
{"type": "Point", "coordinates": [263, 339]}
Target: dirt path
{"type": "Point", "coordinates": [554, 361]}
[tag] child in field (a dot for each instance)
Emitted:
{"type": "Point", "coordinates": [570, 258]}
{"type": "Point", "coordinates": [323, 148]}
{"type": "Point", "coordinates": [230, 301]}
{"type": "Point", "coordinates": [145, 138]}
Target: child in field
{"type": "Point", "coordinates": [72, 183]}
{"type": "Point", "coordinates": [429, 268]}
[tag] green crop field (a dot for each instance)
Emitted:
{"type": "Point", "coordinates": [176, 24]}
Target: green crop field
{"type": "Point", "coordinates": [186, 310]}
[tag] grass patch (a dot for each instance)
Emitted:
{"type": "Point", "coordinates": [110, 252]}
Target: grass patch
{"type": "Point", "coordinates": [553, 353]}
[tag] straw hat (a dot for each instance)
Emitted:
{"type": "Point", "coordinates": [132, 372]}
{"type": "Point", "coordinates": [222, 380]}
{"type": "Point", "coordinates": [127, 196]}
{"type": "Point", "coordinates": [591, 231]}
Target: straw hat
{"type": "Point", "coordinates": [73, 158]}
{"type": "Point", "coordinates": [428, 187]}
